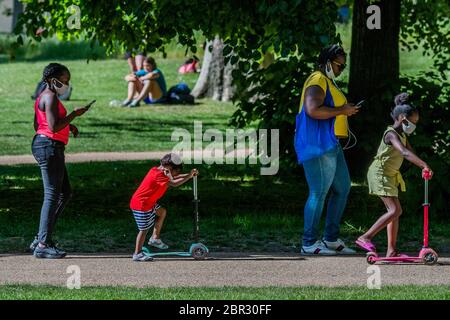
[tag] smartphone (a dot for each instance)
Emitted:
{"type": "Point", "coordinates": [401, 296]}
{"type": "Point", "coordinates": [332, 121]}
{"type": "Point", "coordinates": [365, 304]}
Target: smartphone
{"type": "Point", "coordinates": [359, 104]}
{"type": "Point", "coordinates": [90, 104]}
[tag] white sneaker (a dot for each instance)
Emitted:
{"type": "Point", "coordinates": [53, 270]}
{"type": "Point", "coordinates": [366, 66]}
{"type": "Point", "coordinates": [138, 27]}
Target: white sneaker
{"type": "Point", "coordinates": [157, 243]}
{"type": "Point", "coordinates": [318, 248]}
{"type": "Point", "coordinates": [126, 102]}
{"type": "Point", "coordinates": [141, 257]}
{"type": "Point", "coordinates": [339, 246]}
{"type": "Point", "coordinates": [134, 104]}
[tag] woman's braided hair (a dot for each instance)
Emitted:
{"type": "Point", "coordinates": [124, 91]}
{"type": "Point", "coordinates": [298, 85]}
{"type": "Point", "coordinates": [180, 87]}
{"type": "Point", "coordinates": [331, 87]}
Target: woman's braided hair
{"type": "Point", "coordinates": [402, 106]}
{"type": "Point", "coordinates": [54, 70]}
{"type": "Point", "coordinates": [329, 54]}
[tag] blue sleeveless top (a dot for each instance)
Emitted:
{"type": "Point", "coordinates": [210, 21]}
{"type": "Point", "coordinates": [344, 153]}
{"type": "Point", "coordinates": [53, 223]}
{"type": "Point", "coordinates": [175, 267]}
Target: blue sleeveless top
{"type": "Point", "coordinates": [314, 137]}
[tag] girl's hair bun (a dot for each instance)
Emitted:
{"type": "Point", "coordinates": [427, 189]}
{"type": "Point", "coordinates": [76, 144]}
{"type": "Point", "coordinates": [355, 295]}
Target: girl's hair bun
{"type": "Point", "coordinates": [401, 98]}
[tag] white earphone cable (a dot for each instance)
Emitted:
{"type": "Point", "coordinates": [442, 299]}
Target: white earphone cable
{"type": "Point", "coordinates": [351, 134]}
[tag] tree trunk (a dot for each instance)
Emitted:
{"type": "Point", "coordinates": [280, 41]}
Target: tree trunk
{"type": "Point", "coordinates": [374, 75]}
{"type": "Point", "coordinates": [215, 79]}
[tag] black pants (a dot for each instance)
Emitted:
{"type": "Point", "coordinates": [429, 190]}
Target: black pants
{"type": "Point", "coordinates": [49, 154]}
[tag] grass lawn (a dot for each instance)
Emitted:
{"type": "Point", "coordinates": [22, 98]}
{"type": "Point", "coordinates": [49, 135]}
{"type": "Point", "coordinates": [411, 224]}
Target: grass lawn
{"type": "Point", "coordinates": [239, 210]}
{"type": "Point", "coordinates": [103, 128]}
{"type": "Point", "coordinates": [28, 292]}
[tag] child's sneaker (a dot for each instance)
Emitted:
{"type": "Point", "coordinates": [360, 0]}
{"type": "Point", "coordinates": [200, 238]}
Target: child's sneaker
{"type": "Point", "coordinates": [339, 246]}
{"type": "Point", "coordinates": [157, 243]}
{"type": "Point", "coordinates": [318, 248]}
{"type": "Point", "coordinates": [126, 102]}
{"type": "Point", "coordinates": [134, 104]}
{"type": "Point", "coordinates": [141, 257]}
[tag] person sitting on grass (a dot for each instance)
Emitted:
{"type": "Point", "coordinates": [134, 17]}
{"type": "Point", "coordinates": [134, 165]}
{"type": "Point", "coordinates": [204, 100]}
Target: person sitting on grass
{"type": "Point", "coordinates": [384, 173]}
{"type": "Point", "coordinates": [144, 203]}
{"type": "Point", "coordinates": [147, 84]}
{"type": "Point", "coordinates": [135, 62]}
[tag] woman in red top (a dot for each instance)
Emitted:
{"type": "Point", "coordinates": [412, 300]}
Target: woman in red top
{"type": "Point", "coordinates": [52, 126]}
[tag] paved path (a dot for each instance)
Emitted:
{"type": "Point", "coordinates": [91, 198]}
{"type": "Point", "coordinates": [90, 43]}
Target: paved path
{"type": "Point", "coordinates": [221, 269]}
{"type": "Point", "coordinates": [113, 156]}
{"type": "Point", "coordinates": [87, 157]}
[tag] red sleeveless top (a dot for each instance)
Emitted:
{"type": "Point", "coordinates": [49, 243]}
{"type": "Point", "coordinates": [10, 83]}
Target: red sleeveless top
{"type": "Point", "coordinates": [63, 134]}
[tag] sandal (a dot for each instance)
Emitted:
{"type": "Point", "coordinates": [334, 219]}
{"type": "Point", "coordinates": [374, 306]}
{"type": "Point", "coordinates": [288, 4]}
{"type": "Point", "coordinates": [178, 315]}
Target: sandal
{"type": "Point", "coordinates": [368, 246]}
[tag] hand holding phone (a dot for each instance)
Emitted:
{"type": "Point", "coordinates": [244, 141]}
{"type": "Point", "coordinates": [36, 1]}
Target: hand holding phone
{"type": "Point", "coordinates": [82, 110]}
{"type": "Point", "coordinates": [90, 104]}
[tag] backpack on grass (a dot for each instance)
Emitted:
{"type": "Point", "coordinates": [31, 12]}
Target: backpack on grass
{"type": "Point", "coordinates": [180, 94]}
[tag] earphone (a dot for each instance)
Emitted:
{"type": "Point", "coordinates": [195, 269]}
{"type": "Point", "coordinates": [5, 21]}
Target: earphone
{"type": "Point", "coordinates": [351, 134]}
{"type": "Point", "coordinates": [328, 66]}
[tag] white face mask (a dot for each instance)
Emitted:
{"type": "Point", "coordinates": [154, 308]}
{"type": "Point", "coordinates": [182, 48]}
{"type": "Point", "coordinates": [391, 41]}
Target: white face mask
{"type": "Point", "coordinates": [59, 87]}
{"type": "Point", "coordinates": [329, 71]}
{"type": "Point", "coordinates": [168, 174]}
{"type": "Point", "coordinates": [408, 128]}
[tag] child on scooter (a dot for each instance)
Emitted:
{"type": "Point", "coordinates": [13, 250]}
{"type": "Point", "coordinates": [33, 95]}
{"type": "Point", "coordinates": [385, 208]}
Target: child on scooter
{"type": "Point", "coordinates": [384, 173]}
{"type": "Point", "coordinates": [146, 210]}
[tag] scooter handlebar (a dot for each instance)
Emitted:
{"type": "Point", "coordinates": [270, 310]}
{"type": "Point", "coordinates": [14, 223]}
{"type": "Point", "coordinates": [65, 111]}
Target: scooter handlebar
{"type": "Point", "coordinates": [194, 179]}
{"type": "Point", "coordinates": [426, 175]}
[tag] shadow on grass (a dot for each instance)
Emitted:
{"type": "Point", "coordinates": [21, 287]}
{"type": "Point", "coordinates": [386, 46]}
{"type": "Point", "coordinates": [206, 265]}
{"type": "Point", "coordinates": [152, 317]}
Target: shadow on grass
{"type": "Point", "coordinates": [240, 211]}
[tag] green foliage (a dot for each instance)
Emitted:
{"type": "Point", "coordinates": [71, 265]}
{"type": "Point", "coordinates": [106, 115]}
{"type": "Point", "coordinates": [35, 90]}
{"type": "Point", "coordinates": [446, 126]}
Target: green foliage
{"type": "Point", "coordinates": [50, 49]}
{"type": "Point", "coordinates": [427, 24]}
{"type": "Point", "coordinates": [270, 96]}
{"type": "Point", "coordinates": [292, 30]}
{"type": "Point", "coordinates": [134, 24]}
{"type": "Point", "coordinates": [431, 141]}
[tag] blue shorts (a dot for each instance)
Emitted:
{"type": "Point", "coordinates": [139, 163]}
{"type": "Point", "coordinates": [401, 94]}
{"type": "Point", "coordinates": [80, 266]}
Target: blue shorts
{"type": "Point", "coordinates": [153, 101]}
{"type": "Point", "coordinates": [145, 220]}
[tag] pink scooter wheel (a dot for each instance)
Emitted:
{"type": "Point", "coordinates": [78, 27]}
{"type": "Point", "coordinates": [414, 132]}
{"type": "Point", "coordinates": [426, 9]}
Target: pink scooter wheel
{"type": "Point", "coordinates": [429, 256]}
{"type": "Point", "coordinates": [371, 257]}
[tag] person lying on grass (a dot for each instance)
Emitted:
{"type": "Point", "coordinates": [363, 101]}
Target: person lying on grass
{"type": "Point", "coordinates": [384, 173]}
{"type": "Point", "coordinates": [147, 84]}
{"type": "Point", "coordinates": [144, 203]}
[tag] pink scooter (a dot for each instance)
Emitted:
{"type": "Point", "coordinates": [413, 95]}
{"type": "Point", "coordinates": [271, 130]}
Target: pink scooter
{"type": "Point", "coordinates": [426, 255]}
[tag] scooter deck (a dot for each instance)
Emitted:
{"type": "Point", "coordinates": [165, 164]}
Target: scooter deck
{"type": "Point", "coordinates": [179, 254]}
{"type": "Point", "coordinates": [399, 260]}
{"type": "Point", "coordinates": [193, 252]}
{"type": "Point", "coordinates": [165, 253]}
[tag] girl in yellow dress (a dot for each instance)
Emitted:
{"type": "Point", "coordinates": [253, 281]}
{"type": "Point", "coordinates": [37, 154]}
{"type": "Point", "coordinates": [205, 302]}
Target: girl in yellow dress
{"type": "Point", "coordinates": [384, 173]}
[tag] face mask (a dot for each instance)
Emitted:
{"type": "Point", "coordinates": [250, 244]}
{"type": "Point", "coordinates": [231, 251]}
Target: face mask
{"type": "Point", "coordinates": [60, 87]}
{"type": "Point", "coordinates": [329, 71]}
{"type": "Point", "coordinates": [409, 127]}
{"type": "Point", "coordinates": [168, 174]}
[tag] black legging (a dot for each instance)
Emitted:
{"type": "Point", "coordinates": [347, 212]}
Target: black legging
{"type": "Point", "coordinates": [57, 190]}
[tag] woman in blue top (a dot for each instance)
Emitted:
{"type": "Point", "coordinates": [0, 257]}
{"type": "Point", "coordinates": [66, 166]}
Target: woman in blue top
{"type": "Point", "coordinates": [147, 84]}
{"type": "Point", "coordinates": [321, 121]}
